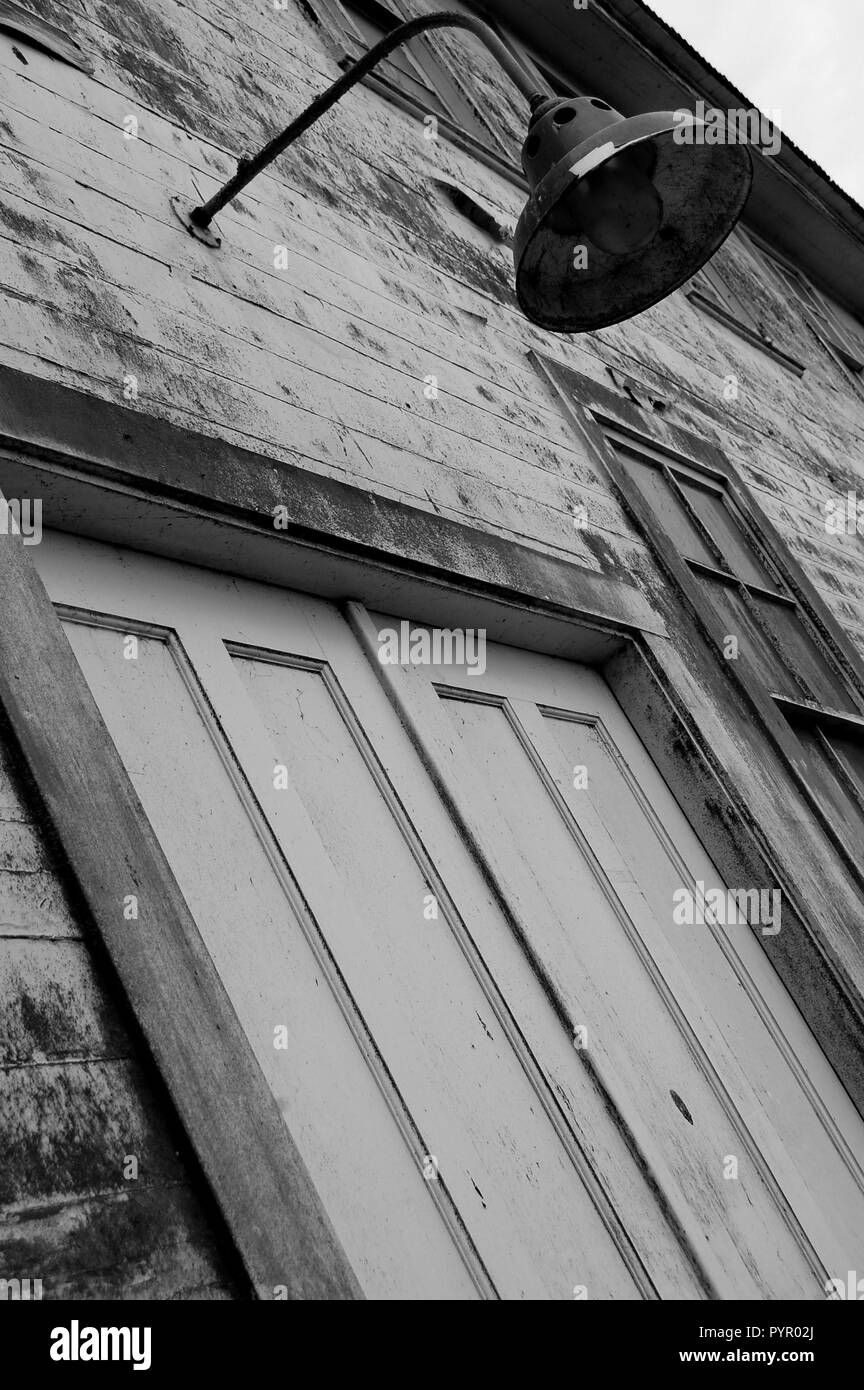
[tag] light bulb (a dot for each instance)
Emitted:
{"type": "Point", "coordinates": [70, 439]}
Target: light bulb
{"type": "Point", "coordinates": [616, 206]}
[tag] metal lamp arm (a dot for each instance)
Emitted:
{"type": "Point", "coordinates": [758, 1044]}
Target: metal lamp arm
{"type": "Point", "coordinates": [248, 169]}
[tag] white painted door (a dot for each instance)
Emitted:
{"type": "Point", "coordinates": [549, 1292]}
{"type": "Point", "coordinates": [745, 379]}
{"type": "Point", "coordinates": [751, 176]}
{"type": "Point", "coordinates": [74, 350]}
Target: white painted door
{"type": "Point", "coordinates": [509, 1072]}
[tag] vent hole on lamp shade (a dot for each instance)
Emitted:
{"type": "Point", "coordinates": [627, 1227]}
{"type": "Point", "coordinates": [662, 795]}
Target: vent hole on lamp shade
{"type": "Point", "coordinates": [603, 105]}
{"type": "Point", "coordinates": [564, 115]}
{"type": "Point", "coordinates": [532, 145]}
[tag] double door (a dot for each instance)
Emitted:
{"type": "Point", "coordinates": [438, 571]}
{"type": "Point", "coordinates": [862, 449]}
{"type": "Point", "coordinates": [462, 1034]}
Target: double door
{"type": "Point", "coordinates": [442, 902]}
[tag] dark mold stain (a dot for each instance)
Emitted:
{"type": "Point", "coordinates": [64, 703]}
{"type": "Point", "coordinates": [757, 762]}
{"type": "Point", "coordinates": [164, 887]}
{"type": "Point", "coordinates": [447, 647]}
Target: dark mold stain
{"type": "Point", "coordinates": [601, 550]}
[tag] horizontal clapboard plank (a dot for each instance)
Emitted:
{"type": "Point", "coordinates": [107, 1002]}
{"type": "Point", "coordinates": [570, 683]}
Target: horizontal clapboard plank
{"type": "Point", "coordinates": [54, 1006]}
{"type": "Point", "coordinates": [34, 904]}
{"type": "Point", "coordinates": [67, 1129]}
{"type": "Point", "coordinates": [13, 806]}
{"type": "Point", "coordinates": [142, 1243]}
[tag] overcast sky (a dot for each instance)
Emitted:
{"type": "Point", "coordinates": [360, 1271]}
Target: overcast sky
{"type": "Point", "coordinates": [799, 58]}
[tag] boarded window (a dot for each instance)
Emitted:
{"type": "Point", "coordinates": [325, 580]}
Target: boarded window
{"type": "Point", "coordinates": [775, 635]}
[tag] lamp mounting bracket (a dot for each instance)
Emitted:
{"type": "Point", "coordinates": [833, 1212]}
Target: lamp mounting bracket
{"type": "Point", "coordinates": [197, 219]}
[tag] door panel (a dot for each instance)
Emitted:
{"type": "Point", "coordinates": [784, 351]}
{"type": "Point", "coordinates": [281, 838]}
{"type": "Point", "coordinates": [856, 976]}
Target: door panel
{"type": "Point", "coordinates": [585, 927]}
{"type": "Point", "coordinates": [250, 913]}
{"type": "Point", "coordinates": [791, 1080]}
{"type": "Point", "coordinates": [430, 1015]}
{"type": "Point", "coordinates": [426, 907]}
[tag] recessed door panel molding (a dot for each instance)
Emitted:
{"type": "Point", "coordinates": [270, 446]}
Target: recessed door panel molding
{"type": "Point", "coordinates": [661, 849]}
{"type": "Point", "coordinates": [416, 913]}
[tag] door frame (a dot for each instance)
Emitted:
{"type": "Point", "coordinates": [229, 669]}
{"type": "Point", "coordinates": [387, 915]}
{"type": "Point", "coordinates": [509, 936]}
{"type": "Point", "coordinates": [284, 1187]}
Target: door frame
{"type": "Point", "coordinates": [112, 473]}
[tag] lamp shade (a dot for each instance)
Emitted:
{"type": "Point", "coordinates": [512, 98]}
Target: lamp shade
{"type": "Point", "coordinates": [621, 211]}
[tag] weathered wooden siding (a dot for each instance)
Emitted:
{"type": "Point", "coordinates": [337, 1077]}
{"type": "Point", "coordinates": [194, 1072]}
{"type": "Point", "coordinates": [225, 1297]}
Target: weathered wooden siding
{"type": "Point", "coordinates": [78, 1102]}
{"type": "Point", "coordinates": [386, 284]}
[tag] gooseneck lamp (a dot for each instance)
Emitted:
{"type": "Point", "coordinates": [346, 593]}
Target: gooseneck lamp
{"type": "Point", "coordinates": [620, 213]}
